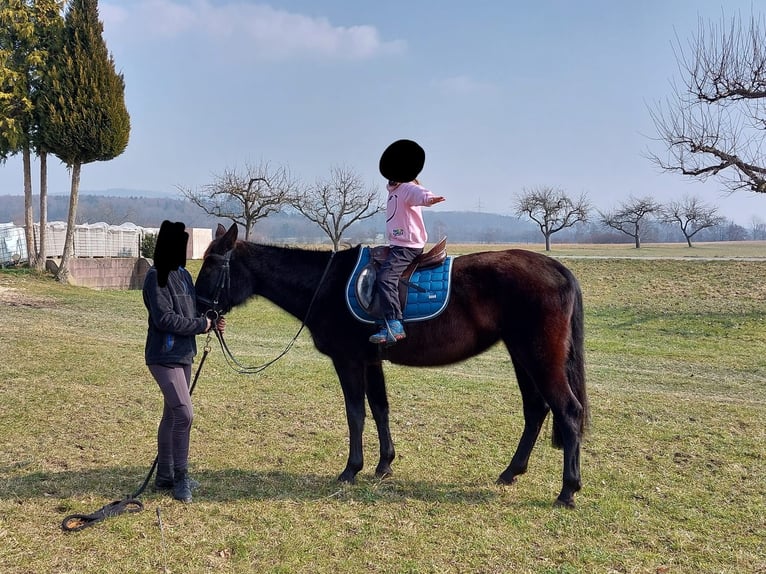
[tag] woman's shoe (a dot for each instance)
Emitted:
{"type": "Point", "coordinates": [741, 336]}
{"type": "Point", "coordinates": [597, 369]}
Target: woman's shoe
{"type": "Point", "coordinates": [182, 489]}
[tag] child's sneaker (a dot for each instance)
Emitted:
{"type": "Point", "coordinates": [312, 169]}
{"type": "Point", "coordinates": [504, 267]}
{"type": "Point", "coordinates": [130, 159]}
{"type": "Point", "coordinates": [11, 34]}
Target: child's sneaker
{"type": "Point", "coordinates": [389, 333]}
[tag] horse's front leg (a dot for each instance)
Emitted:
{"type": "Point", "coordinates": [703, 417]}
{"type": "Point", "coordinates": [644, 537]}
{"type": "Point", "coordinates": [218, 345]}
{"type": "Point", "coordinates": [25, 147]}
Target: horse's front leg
{"type": "Point", "coordinates": [352, 382]}
{"type": "Point", "coordinates": [378, 400]}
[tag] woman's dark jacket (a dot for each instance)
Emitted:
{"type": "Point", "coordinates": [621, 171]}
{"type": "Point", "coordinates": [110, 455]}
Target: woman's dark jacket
{"type": "Point", "coordinates": [173, 320]}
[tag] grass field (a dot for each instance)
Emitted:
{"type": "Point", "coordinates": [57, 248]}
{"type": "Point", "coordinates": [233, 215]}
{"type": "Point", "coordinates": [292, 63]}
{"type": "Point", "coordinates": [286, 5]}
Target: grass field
{"type": "Point", "coordinates": [673, 466]}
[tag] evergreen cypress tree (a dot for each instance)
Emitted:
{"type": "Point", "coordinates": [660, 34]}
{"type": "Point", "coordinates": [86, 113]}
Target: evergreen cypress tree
{"type": "Point", "coordinates": [17, 62]}
{"type": "Point", "coordinates": [49, 24]}
{"type": "Point", "coordinates": [28, 30]}
{"type": "Point", "coordinates": [84, 117]}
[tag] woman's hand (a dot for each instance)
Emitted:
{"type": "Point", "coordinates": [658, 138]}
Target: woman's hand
{"type": "Point", "coordinates": [220, 325]}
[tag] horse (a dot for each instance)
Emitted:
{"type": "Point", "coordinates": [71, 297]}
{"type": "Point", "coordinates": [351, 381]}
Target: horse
{"type": "Point", "coordinates": [527, 300]}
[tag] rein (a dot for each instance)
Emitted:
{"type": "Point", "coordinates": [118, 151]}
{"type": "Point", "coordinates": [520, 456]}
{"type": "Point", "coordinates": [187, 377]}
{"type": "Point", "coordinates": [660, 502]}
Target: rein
{"type": "Point", "coordinates": [222, 283]}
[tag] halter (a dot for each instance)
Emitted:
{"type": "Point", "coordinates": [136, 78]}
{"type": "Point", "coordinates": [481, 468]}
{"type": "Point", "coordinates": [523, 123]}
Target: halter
{"type": "Point", "coordinates": [214, 313]}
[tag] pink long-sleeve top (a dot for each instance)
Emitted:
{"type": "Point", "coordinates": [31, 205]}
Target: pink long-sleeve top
{"type": "Point", "coordinates": [404, 219]}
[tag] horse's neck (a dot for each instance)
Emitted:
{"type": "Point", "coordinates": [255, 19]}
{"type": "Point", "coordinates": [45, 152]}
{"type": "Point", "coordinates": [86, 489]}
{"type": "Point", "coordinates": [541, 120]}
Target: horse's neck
{"type": "Point", "coordinates": [288, 277]}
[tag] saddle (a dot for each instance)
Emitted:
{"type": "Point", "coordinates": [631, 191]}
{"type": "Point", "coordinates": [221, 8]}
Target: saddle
{"type": "Point", "coordinates": [365, 283]}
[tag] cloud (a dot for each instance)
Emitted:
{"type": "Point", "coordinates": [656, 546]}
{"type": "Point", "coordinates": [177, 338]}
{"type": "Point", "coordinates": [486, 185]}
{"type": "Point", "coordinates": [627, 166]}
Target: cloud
{"type": "Point", "coordinates": [464, 85]}
{"type": "Point", "coordinates": [266, 32]}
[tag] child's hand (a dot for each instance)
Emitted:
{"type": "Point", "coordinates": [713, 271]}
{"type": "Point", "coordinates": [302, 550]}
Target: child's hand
{"type": "Point", "coordinates": [435, 199]}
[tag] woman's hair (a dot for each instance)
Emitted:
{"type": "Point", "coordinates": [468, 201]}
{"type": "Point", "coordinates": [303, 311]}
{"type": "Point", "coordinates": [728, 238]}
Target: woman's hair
{"type": "Point", "coordinates": [170, 250]}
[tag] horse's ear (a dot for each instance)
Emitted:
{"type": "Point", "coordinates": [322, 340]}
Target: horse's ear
{"type": "Point", "coordinates": [229, 237]}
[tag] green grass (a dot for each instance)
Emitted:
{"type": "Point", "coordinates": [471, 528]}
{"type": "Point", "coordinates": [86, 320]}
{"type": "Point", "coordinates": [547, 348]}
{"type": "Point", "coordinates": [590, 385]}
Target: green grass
{"type": "Point", "coordinates": [673, 466]}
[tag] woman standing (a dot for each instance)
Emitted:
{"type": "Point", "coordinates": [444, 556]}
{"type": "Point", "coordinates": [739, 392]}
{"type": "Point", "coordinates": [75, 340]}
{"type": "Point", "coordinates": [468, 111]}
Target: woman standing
{"type": "Point", "coordinates": [170, 349]}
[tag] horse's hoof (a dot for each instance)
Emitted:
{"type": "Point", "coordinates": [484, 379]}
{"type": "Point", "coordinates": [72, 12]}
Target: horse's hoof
{"type": "Point", "coordinates": [568, 504]}
{"type": "Point", "coordinates": [384, 473]}
{"type": "Point", "coordinates": [347, 476]}
{"type": "Point", "coordinates": [503, 481]}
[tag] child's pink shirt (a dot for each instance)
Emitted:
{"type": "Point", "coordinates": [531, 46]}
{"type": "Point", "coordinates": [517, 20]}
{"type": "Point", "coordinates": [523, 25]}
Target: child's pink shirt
{"type": "Point", "coordinates": [404, 220]}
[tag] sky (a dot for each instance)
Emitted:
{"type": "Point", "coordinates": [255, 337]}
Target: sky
{"type": "Point", "coordinates": [503, 95]}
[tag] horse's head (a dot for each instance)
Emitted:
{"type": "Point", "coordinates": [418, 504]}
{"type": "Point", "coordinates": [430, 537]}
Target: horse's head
{"type": "Point", "coordinates": [213, 285]}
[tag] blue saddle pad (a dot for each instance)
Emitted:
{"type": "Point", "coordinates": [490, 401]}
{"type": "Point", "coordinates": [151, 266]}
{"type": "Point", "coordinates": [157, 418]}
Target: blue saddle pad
{"type": "Point", "coordinates": [427, 294]}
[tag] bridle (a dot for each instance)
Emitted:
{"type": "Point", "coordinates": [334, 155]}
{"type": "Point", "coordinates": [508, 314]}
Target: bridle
{"type": "Point", "coordinates": [223, 283]}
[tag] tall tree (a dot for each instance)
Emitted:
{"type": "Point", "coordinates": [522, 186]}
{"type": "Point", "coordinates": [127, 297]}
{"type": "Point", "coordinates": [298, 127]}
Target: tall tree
{"type": "Point", "coordinates": [714, 122]}
{"type": "Point", "coordinates": [337, 202]}
{"type": "Point", "coordinates": [244, 197]}
{"type": "Point", "coordinates": [29, 30]}
{"type": "Point", "coordinates": [692, 215]}
{"type": "Point", "coordinates": [630, 216]}
{"type": "Point", "coordinates": [551, 209]}
{"type": "Point", "coordinates": [757, 228]}
{"type": "Point", "coordinates": [17, 60]}
{"type": "Point", "coordinates": [49, 24]}
{"type": "Point", "coordinates": [85, 118]}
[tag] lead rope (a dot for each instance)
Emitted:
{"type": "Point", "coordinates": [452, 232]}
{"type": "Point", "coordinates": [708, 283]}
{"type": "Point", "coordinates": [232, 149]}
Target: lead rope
{"type": "Point", "coordinates": [77, 522]}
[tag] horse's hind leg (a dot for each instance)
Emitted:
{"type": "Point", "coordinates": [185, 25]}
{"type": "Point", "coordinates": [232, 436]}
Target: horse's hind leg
{"type": "Point", "coordinates": [378, 400]}
{"type": "Point", "coordinates": [535, 411]}
{"type": "Point", "coordinates": [567, 412]}
{"type": "Point", "coordinates": [567, 425]}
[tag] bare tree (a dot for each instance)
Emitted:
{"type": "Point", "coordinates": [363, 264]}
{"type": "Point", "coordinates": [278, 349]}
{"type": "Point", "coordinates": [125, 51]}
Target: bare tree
{"type": "Point", "coordinates": [337, 202]}
{"type": "Point", "coordinates": [692, 215]}
{"type": "Point", "coordinates": [757, 228]}
{"type": "Point", "coordinates": [551, 209]}
{"type": "Point", "coordinates": [713, 124]}
{"type": "Point", "coordinates": [629, 217]}
{"type": "Point", "coordinates": [245, 197]}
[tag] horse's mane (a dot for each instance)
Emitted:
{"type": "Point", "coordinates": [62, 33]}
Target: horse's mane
{"type": "Point", "coordinates": [300, 253]}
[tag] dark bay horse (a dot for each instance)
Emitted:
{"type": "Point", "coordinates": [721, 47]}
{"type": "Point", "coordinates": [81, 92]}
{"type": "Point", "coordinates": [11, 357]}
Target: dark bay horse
{"type": "Point", "coordinates": [527, 300]}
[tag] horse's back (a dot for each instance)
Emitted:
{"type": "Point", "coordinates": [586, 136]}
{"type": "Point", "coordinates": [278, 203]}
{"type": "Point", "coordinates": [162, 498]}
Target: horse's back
{"type": "Point", "coordinates": [515, 269]}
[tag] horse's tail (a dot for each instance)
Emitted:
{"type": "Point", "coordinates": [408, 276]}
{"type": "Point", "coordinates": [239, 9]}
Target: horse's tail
{"type": "Point", "coordinates": [575, 365]}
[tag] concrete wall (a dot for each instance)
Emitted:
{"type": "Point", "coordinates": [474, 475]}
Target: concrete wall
{"type": "Point", "coordinates": [106, 272]}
